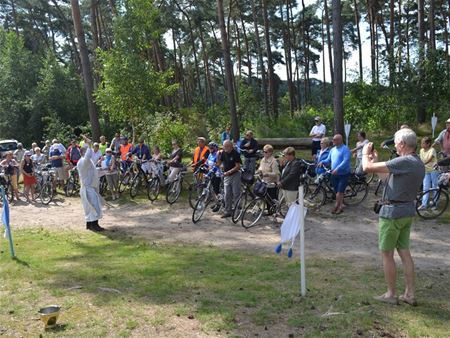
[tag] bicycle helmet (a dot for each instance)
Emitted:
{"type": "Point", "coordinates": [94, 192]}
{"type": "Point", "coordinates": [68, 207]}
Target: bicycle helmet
{"type": "Point", "coordinates": [213, 145]}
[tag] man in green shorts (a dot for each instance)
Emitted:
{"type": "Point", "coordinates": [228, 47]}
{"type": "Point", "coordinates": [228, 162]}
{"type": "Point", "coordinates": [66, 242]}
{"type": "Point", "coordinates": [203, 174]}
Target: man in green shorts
{"type": "Point", "coordinates": [404, 175]}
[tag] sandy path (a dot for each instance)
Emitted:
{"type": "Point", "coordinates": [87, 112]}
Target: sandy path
{"type": "Point", "coordinates": [352, 234]}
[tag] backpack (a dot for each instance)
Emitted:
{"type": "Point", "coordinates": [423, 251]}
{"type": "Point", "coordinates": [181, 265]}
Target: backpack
{"type": "Point", "coordinates": [75, 154]}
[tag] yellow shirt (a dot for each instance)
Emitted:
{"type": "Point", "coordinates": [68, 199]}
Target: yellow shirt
{"type": "Point", "coordinates": [428, 155]}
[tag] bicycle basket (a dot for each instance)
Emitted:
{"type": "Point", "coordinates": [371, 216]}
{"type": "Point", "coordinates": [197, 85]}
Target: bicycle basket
{"type": "Point", "coordinates": [247, 177]}
{"type": "Point", "coordinates": [260, 189]}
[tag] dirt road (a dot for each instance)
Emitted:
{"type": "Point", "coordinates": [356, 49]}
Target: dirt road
{"type": "Point", "coordinates": [352, 234]}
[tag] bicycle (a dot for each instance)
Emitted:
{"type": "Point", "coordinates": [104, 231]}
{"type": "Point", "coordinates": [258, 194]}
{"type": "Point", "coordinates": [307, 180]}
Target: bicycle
{"type": "Point", "coordinates": [154, 184]}
{"type": "Point", "coordinates": [205, 197]}
{"type": "Point", "coordinates": [126, 175]}
{"type": "Point", "coordinates": [5, 181]}
{"type": "Point", "coordinates": [255, 209]}
{"type": "Point", "coordinates": [174, 188]}
{"type": "Point", "coordinates": [48, 178]}
{"type": "Point", "coordinates": [73, 183]}
{"type": "Point", "coordinates": [322, 191]}
{"type": "Point", "coordinates": [196, 187]}
{"type": "Point", "coordinates": [140, 178]}
{"type": "Point", "coordinates": [438, 198]}
{"type": "Point", "coordinates": [247, 180]}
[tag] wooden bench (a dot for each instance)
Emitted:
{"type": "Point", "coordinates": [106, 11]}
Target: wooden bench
{"type": "Point", "coordinates": [281, 143]}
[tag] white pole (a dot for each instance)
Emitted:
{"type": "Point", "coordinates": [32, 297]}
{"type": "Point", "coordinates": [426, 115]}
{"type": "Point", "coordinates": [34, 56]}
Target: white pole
{"type": "Point", "coordinates": [302, 241]}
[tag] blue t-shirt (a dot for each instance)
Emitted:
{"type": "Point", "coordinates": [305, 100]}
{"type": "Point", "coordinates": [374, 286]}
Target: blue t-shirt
{"type": "Point", "coordinates": [56, 163]}
{"type": "Point", "coordinates": [140, 151]}
{"type": "Point", "coordinates": [339, 158]}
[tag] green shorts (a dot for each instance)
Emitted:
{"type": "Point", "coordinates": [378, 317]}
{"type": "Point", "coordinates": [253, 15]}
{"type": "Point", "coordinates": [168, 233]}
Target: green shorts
{"type": "Point", "coordinates": [394, 233]}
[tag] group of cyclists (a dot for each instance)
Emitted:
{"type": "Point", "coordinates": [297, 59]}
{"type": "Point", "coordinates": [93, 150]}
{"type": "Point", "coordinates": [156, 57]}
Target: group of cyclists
{"type": "Point", "coordinates": [227, 169]}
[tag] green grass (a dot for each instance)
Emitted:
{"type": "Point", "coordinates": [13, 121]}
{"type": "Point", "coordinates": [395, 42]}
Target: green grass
{"type": "Point", "coordinates": [228, 293]}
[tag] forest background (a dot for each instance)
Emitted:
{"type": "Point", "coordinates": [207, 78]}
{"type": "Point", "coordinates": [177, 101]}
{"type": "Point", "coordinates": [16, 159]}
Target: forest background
{"type": "Point", "coordinates": [179, 68]}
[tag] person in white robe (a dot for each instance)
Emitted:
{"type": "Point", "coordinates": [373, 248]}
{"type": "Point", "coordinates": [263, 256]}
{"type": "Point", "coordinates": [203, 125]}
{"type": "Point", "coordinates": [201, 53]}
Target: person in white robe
{"type": "Point", "coordinates": [89, 191]}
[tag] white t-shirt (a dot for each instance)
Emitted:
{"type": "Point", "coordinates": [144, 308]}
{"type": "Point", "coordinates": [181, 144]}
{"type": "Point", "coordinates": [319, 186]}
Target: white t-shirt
{"type": "Point", "coordinates": [318, 129]}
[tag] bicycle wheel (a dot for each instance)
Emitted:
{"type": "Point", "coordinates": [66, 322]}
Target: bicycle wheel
{"type": "Point", "coordinates": [9, 193]}
{"type": "Point", "coordinates": [437, 203]}
{"type": "Point", "coordinates": [153, 189]}
{"type": "Point", "coordinates": [195, 190]}
{"type": "Point", "coordinates": [37, 187]}
{"type": "Point", "coordinates": [369, 177]}
{"type": "Point", "coordinates": [253, 212]}
{"type": "Point", "coordinates": [356, 192]}
{"type": "Point", "coordinates": [124, 182]}
{"type": "Point", "coordinates": [103, 186]}
{"type": "Point", "coordinates": [71, 187]}
{"type": "Point", "coordinates": [239, 207]}
{"type": "Point", "coordinates": [315, 197]}
{"type": "Point", "coordinates": [135, 185]}
{"type": "Point", "coordinates": [46, 194]}
{"type": "Point", "coordinates": [173, 191]}
{"type": "Point", "coordinates": [200, 207]}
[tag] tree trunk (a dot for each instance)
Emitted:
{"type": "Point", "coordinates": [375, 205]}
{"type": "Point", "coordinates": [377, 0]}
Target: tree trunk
{"type": "Point", "coordinates": [208, 81]}
{"type": "Point", "coordinates": [247, 50]}
{"type": "Point", "coordinates": [324, 87]}
{"type": "Point", "coordinates": [228, 71]}
{"type": "Point", "coordinates": [14, 16]}
{"type": "Point", "coordinates": [338, 90]}
{"type": "Point", "coordinates": [391, 59]}
{"type": "Point", "coordinates": [194, 49]}
{"type": "Point", "coordinates": [112, 6]}
{"type": "Point", "coordinates": [93, 17]}
{"type": "Point", "coordinates": [421, 23]}
{"type": "Point", "coordinates": [287, 53]}
{"type": "Point", "coordinates": [446, 23]}
{"type": "Point", "coordinates": [407, 38]}
{"type": "Point", "coordinates": [330, 51]}
{"type": "Point", "coordinates": [260, 59]}
{"type": "Point", "coordinates": [272, 93]}
{"type": "Point", "coordinates": [400, 37]}
{"type": "Point", "coordinates": [358, 32]}
{"type": "Point", "coordinates": [372, 40]}
{"type": "Point", "coordinates": [87, 72]}
{"type": "Point", "coordinates": [305, 56]}
{"type": "Point", "coordinates": [432, 39]}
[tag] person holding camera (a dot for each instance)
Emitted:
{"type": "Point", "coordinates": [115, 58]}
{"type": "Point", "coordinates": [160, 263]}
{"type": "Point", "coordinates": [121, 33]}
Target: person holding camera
{"type": "Point", "coordinates": [404, 175]}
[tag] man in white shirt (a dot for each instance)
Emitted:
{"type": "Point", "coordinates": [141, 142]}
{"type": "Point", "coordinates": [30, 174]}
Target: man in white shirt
{"type": "Point", "coordinates": [317, 132]}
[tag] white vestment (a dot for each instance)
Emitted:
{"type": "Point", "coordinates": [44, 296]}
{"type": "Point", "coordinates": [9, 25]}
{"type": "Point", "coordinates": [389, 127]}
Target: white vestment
{"type": "Point", "coordinates": [90, 198]}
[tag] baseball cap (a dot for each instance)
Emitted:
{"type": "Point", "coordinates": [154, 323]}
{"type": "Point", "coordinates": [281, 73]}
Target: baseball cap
{"type": "Point", "coordinates": [317, 118]}
{"type": "Point", "coordinates": [448, 121]}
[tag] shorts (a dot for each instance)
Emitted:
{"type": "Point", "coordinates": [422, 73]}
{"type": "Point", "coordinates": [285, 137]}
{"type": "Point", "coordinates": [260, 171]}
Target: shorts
{"type": "Point", "coordinates": [394, 233]}
{"type": "Point", "coordinates": [29, 180]}
{"type": "Point", "coordinates": [60, 173]}
{"type": "Point", "coordinates": [339, 182]}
